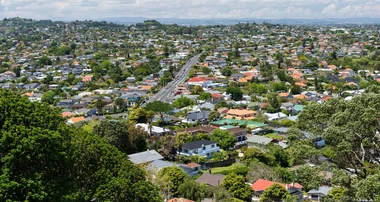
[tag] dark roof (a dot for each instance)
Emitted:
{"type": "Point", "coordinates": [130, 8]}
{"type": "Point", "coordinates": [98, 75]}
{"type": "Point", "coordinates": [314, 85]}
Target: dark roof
{"type": "Point", "coordinates": [211, 179]}
{"type": "Point", "coordinates": [197, 144]}
{"type": "Point", "coordinates": [236, 130]}
{"type": "Point", "coordinates": [198, 115]}
{"type": "Point", "coordinates": [196, 129]}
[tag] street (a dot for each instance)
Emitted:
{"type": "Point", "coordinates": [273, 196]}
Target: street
{"type": "Point", "coordinates": [166, 93]}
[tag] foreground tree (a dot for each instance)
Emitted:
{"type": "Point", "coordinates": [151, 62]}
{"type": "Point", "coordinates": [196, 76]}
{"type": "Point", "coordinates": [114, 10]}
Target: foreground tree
{"type": "Point", "coordinates": [170, 179]}
{"type": "Point", "coordinates": [350, 129]}
{"type": "Point", "coordinates": [275, 193]}
{"type": "Point", "coordinates": [43, 159]}
{"type": "Point", "coordinates": [236, 186]}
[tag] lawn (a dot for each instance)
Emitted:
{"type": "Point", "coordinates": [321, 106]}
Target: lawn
{"type": "Point", "coordinates": [274, 136]}
{"type": "Point", "coordinates": [236, 167]}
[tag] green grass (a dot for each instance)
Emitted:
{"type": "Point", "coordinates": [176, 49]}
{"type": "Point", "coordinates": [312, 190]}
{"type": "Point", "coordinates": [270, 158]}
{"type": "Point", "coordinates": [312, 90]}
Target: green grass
{"type": "Point", "coordinates": [274, 136]}
{"type": "Point", "coordinates": [236, 168]}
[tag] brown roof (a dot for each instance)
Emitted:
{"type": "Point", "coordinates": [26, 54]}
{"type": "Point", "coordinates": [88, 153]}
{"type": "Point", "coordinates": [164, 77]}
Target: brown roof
{"type": "Point", "coordinates": [240, 112]}
{"type": "Point", "coordinates": [236, 130]}
{"type": "Point", "coordinates": [211, 179]}
{"type": "Point", "coordinates": [191, 165]}
{"type": "Point", "coordinates": [196, 129]}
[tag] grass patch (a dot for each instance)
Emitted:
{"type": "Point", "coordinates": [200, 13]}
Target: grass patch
{"type": "Point", "coordinates": [237, 168]}
{"type": "Point", "coordinates": [274, 136]}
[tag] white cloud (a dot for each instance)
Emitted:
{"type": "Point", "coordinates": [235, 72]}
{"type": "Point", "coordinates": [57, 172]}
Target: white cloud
{"type": "Point", "coordinates": [97, 9]}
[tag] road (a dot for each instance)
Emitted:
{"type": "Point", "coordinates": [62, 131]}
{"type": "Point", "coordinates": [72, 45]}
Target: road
{"type": "Point", "coordinates": [166, 93]}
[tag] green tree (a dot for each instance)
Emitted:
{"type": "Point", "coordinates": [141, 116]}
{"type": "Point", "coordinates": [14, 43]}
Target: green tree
{"type": "Point", "coordinates": [308, 176]}
{"type": "Point", "coordinates": [236, 186]}
{"type": "Point", "coordinates": [197, 90]}
{"type": "Point", "coordinates": [120, 103]}
{"type": "Point", "coordinates": [160, 108]}
{"type": "Point", "coordinates": [214, 115]}
{"type": "Point", "coordinates": [226, 71]}
{"type": "Point", "coordinates": [182, 102]}
{"type": "Point", "coordinates": [206, 70]}
{"type": "Point", "coordinates": [126, 137]}
{"type": "Point", "coordinates": [44, 159]}
{"type": "Point", "coordinates": [48, 97]}
{"type": "Point", "coordinates": [275, 193]}
{"type": "Point", "coordinates": [170, 179]}
{"type": "Point", "coordinates": [224, 138]}
{"type": "Point", "coordinates": [44, 60]}
{"type": "Point", "coordinates": [278, 86]}
{"type": "Point", "coordinates": [235, 92]}
{"type": "Point", "coordinates": [192, 190]}
{"type": "Point", "coordinates": [274, 102]}
{"type": "Point", "coordinates": [349, 128]}
{"type": "Point", "coordinates": [259, 89]}
{"type": "Point", "coordinates": [369, 188]}
{"type": "Point", "coordinates": [205, 96]}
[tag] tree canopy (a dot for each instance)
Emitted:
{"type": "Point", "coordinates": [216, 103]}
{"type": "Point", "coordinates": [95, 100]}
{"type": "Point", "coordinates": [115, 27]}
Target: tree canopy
{"type": "Point", "coordinates": [43, 159]}
{"type": "Point", "coordinates": [224, 138]}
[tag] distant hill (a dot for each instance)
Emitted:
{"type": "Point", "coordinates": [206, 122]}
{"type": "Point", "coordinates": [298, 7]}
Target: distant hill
{"type": "Point", "coordinates": [230, 21]}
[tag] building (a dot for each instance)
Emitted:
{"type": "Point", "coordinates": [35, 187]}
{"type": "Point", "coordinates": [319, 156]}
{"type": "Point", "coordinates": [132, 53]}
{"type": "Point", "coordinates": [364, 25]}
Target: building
{"type": "Point", "coordinates": [203, 148]}
{"type": "Point", "coordinates": [210, 179]}
{"type": "Point", "coordinates": [241, 114]}
{"type": "Point", "coordinates": [145, 157]}
{"type": "Point", "coordinates": [317, 194]}
{"type": "Point", "coordinates": [261, 185]}
{"type": "Point", "coordinates": [154, 130]}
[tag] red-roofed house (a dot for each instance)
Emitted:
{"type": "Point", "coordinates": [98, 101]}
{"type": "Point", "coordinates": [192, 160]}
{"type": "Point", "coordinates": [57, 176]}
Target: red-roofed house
{"type": "Point", "coordinates": [196, 81]}
{"type": "Point", "coordinates": [261, 185]}
{"type": "Point", "coordinates": [87, 78]}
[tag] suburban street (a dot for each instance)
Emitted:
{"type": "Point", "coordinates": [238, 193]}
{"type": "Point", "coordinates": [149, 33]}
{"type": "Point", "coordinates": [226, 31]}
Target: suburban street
{"type": "Point", "coordinates": [166, 93]}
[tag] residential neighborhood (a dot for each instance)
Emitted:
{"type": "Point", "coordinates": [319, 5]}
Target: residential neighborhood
{"type": "Point", "coordinates": [238, 113]}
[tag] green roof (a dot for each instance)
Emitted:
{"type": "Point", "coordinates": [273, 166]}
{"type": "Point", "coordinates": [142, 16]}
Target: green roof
{"type": "Point", "coordinates": [298, 107]}
{"type": "Point", "coordinates": [228, 126]}
{"type": "Point", "coordinates": [253, 124]}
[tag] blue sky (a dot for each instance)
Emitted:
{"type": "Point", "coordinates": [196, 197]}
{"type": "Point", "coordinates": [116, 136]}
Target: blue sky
{"type": "Point", "coordinates": [193, 9]}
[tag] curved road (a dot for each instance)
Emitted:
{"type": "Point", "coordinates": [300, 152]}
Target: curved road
{"type": "Point", "coordinates": [166, 93]}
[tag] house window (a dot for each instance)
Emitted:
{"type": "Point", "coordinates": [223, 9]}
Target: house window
{"type": "Point", "coordinates": [212, 146]}
{"type": "Point", "coordinates": [185, 151]}
{"type": "Point", "coordinates": [195, 169]}
{"type": "Point", "coordinates": [208, 154]}
{"type": "Point", "coordinates": [204, 148]}
{"type": "Point", "coordinates": [195, 151]}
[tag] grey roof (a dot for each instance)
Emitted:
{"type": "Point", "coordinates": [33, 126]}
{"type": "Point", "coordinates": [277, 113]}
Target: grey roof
{"type": "Point", "coordinates": [281, 129]}
{"type": "Point", "coordinates": [198, 115]}
{"type": "Point", "coordinates": [159, 164]}
{"type": "Point", "coordinates": [259, 139]}
{"type": "Point", "coordinates": [211, 179]}
{"type": "Point", "coordinates": [287, 104]}
{"type": "Point", "coordinates": [197, 144]}
{"type": "Point", "coordinates": [144, 157]}
{"type": "Point", "coordinates": [324, 190]}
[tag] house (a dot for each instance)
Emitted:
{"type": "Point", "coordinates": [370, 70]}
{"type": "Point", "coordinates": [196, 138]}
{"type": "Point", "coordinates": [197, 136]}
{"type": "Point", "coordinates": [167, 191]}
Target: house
{"type": "Point", "coordinates": [65, 103]}
{"type": "Point", "coordinates": [201, 147]}
{"type": "Point", "coordinates": [210, 179]}
{"type": "Point", "coordinates": [154, 130]}
{"type": "Point", "coordinates": [317, 194]}
{"type": "Point", "coordinates": [261, 185]}
{"type": "Point", "coordinates": [193, 117]}
{"type": "Point", "coordinates": [75, 120]}
{"type": "Point", "coordinates": [258, 140]}
{"type": "Point", "coordinates": [180, 200]}
{"type": "Point", "coordinates": [287, 106]}
{"type": "Point", "coordinates": [191, 168]}
{"type": "Point", "coordinates": [275, 116]}
{"type": "Point", "coordinates": [196, 130]}
{"type": "Point", "coordinates": [281, 130]}
{"type": "Point", "coordinates": [145, 157]}
{"type": "Point", "coordinates": [240, 133]}
{"type": "Point", "coordinates": [296, 109]}
{"type": "Point", "coordinates": [241, 114]}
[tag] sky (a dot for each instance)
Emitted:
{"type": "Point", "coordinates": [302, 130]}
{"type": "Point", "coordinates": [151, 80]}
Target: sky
{"type": "Point", "coordinates": [188, 9]}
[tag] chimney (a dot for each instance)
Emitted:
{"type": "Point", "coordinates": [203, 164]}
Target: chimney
{"type": "Point", "coordinates": [292, 184]}
{"type": "Point", "coordinates": [287, 187]}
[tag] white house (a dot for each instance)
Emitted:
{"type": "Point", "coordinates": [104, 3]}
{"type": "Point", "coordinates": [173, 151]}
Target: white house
{"type": "Point", "coordinates": [275, 116]}
{"type": "Point", "coordinates": [154, 130]}
{"type": "Point", "coordinates": [203, 148]}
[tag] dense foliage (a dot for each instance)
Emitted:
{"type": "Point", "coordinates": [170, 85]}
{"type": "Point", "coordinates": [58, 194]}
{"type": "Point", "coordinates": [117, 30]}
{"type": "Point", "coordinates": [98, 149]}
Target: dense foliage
{"type": "Point", "coordinates": [43, 159]}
